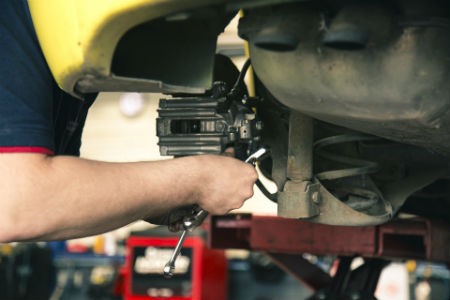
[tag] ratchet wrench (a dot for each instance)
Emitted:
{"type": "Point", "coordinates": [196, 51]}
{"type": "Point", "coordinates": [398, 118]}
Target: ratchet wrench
{"type": "Point", "coordinates": [192, 222]}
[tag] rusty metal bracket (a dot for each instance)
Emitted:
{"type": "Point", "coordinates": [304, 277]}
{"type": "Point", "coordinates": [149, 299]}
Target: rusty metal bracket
{"type": "Point", "coordinates": [296, 199]}
{"type": "Point", "coordinates": [299, 200]}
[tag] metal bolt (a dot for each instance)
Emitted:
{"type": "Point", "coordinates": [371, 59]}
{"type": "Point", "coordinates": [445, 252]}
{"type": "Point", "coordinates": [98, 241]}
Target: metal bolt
{"type": "Point", "coordinates": [259, 125]}
{"type": "Point", "coordinates": [315, 197]}
{"type": "Point", "coordinates": [220, 126]}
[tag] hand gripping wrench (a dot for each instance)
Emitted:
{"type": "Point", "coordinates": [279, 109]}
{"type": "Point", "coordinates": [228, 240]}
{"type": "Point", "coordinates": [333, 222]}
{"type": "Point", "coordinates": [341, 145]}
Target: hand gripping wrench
{"type": "Point", "coordinates": [192, 222]}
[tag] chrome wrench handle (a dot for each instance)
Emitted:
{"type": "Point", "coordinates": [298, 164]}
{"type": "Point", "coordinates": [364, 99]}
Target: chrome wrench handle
{"type": "Point", "coordinates": [192, 222]}
{"type": "Point", "coordinates": [258, 155]}
{"type": "Point", "coordinates": [169, 268]}
{"type": "Point", "coordinates": [189, 224]}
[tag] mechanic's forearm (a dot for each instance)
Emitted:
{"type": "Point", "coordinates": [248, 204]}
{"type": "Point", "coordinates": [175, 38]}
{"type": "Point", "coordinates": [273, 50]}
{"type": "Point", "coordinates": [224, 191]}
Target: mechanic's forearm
{"type": "Point", "coordinates": [66, 197]}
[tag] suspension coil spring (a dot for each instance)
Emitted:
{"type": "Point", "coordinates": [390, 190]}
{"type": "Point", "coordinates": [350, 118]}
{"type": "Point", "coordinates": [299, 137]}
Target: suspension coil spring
{"type": "Point", "coordinates": [358, 197]}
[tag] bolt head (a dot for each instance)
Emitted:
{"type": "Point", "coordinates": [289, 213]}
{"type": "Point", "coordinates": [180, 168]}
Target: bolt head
{"type": "Point", "coordinates": [259, 125]}
{"type": "Point", "coordinates": [168, 271]}
{"type": "Point", "coordinates": [315, 197]}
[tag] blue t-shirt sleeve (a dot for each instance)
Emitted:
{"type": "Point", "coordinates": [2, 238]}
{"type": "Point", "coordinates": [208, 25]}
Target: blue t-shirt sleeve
{"type": "Point", "coordinates": [26, 84]}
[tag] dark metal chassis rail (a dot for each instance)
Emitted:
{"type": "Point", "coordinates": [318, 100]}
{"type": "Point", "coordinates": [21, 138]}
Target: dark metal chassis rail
{"type": "Point", "coordinates": [285, 240]}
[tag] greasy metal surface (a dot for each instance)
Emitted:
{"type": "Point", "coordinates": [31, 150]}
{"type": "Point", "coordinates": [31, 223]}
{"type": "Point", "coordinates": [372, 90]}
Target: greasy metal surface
{"type": "Point", "coordinates": [91, 84]}
{"type": "Point", "coordinates": [275, 135]}
{"type": "Point", "coordinates": [404, 170]}
{"type": "Point", "coordinates": [348, 195]}
{"type": "Point", "coordinates": [432, 201]}
{"type": "Point", "coordinates": [299, 200]}
{"type": "Point", "coordinates": [300, 151]}
{"type": "Point", "coordinates": [296, 200]}
{"type": "Point", "coordinates": [395, 87]}
{"type": "Point", "coordinates": [204, 125]}
{"type": "Point", "coordinates": [366, 172]}
{"type": "Point", "coordinates": [404, 238]}
{"type": "Point", "coordinates": [335, 212]}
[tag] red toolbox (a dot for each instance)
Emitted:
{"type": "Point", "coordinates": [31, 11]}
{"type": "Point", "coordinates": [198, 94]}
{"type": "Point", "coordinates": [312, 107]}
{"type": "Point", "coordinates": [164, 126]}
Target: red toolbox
{"type": "Point", "coordinates": [200, 272]}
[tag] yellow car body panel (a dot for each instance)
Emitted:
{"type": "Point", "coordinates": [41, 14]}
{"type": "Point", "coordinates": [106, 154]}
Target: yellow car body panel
{"type": "Point", "coordinates": [78, 37]}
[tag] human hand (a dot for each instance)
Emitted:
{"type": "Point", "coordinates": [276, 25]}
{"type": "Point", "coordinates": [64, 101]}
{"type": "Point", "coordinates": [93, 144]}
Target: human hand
{"type": "Point", "coordinates": [174, 218]}
{"type": "Point", "coordinates": [219, 192]}
{"type": "Point", "coordinates": [223, 183]}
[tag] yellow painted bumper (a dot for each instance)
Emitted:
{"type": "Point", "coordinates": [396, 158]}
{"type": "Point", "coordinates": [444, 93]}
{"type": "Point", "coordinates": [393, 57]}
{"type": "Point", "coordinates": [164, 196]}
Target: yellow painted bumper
{"type": "Point", "coordinates": [79, 37]}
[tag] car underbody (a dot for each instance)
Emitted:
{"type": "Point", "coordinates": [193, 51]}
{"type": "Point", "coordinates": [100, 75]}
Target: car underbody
{"type": "Point", "coordinates": [365, 88]}
{"type": "Point", "coordinates": [355, 101]}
